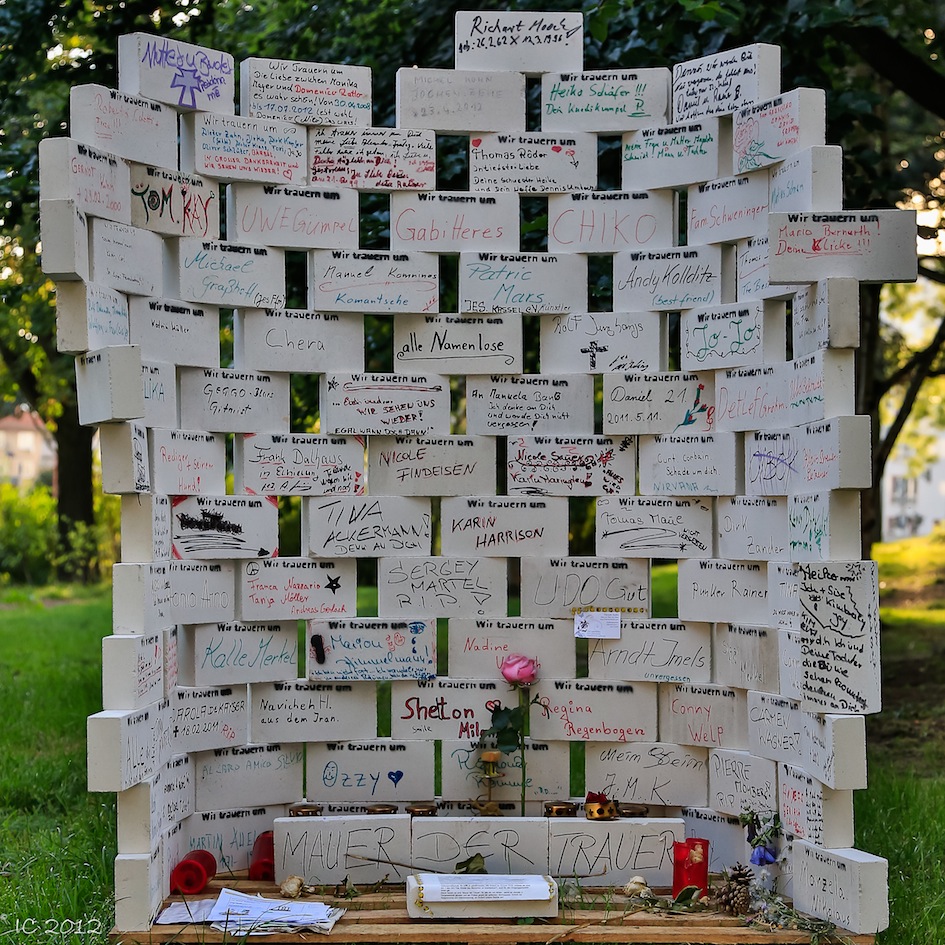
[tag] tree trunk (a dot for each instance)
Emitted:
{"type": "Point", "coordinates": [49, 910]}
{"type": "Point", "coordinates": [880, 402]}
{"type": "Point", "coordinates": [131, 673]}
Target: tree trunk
{"type": "Point", "coordinates": [868, 395]}
{"type": "Point", "coordinates": [74, 445]}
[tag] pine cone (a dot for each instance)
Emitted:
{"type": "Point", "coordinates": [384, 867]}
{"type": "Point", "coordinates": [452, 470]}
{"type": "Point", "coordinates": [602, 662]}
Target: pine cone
{"type": "Point", "coordinates": [735, 895]}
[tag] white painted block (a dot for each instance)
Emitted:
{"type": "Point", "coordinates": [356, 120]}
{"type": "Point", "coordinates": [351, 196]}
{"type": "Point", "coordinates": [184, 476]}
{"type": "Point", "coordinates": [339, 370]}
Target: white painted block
{"type": "Point", "coordinates": [654, 651]}
{"type": "Point", "coordinates": [442, 587]}
{"type": "Point", "coordinates": [139, 889]}
{"type": "Point", "coordinates": [269, 774]}
{"type": "Point", "coordinates": [64, 232]}
{"type": "Point", "coordinates": [717, 589]}
{"type": "Point", "coordinates": [820, 386]}
{"type": "Point", "coordinates": [141, 597]}
{"type": "Point", "coordinates": [212, 272]}
{"type": "Point", "coordinates": [306, 711]}
{"type": "Point", "coordinates": [145, 527]}
{"type": "Point", "coordinates": [767, 132]}
{"type": "Point", "coordinates": [98, 183]}
{"type": "Point", "coordinates": [723, 832]}
{"type": "Point", "coordinates": [382, 159]}
{"type": "Point", "coordinates": [725, 82]}
{"type": "Point", "coordinates": [292, 217]}
{"type": "Point", "coordinates": [826, 314]}
{"type": "Point", "coordinates": [775, 725]}
{"type": "Point", "coordinates": [728, 209]}
{"type": "Point", "coordinates": [224, 526]}
{"type": "Point", "coordinates": [132, 670]}
{"type": "Point", "coordinates": [309, 93]}
{"type": "Point", "coordinates": [844, 886]}
{"type": "Point", "coordinates": [563, 587]}
{"type": "Point", "coordinates": [298, 464]}
{"type": "Point", "coordinates": [610, 221]}
{"type": "Point", "coordinates": [658, 403]}
{"type": "Point", "coordinates": [126, 258]}
{"type": "Point", "coordinates": [297, 340]}
{"type": "Point", "coordinates": [648, 772]}
{"type": "Point", "coordinates": [90, 316]}
{"type": "Point", "coordinates": [231, 653]}
{"type": "Point", "coordinates": [201, 719]}
{"type": "Point", "coordinates": [869, 245]}
{"type": "Point", "coordinates": [287, 588]}
{"type": "Point", "coordinates": [124, 451]}
{"type": "Point", "coordinates": [452, 101]}
{"type": "Point", "coordinates": [673, 156]}
{"type": "Point", "coordinates": [593, 465]}
{"type": "Point", "coordinates": [601, 342]}
{"type": "Point", "coordinates": [366, 526]}
{"type": "Point", "coordinates": [478, 647]}
{"type": "Point", "coordinates": [231, 401]}
{"type": "Point", "coordinates": [499, 526]}
{"type": "Point", "coordinates": [690, 463]}
{"type": "Point", "coordinates": [369, 648]}
{"type": "Point", "coordinates": [125, 746]}
{"type": "Point", "coordinates": [321, 850]}
{"type": "Point", "coordinates": [517, 405]}
{"type": "Point", "coordinates": [532, 43]}
{"type": "Point", "coordinates": [810, 811]}
{"type": "Point", "coordinates": [709, 716]}
{"type": "Point", "coordinates": [179, 74]}
{"type": "Point", "coordinates": [745, 657]}
{"type": "Point", "coordinates": [752, 275]}
{"type": "Point", "coordinates": [604, 101]}
{"type": "Point", "coordinates": [753, 528]}
{"type": "Point", "coordinates": [824, 526]}
{"type": "Point", "coordinates": [753, 397]}
{"type": "Point", "coordinates": [809, 180]}
{"type": "Point", "coordinates": [532, 283]}
{"type": "Point", "coordinates": [108, 386]}
{"type": "Point", "coordinates": [231, 834]}
{"type": "Point", "coordinates": [840, 637]}
{"type": "Point", "coordinates": [174, 203]}
{"type": "Point", "coordinates": [668, 279]}
{"type": "Point", "coordinates": [202, 591]}
{"type": "Point", "coordinates": [175, 331]}
{"type": "Point", "coordinates": [174, 672]}
{"type": "Point", "coordinates": [458, 344]}
{"type": "Point", "coordinates": [363, 773]}
{"type": "Point", "coordinates": [136, 129]}
{"type": "Point", "coordinates": [234, 148]}
{"type": "Point", "coordinates": [589, 710]}
{"type": "Point", "coordinates": [729, 336]}
{"type": "Point", "coordinates": [374, 281]}
{"type": "Point", "coordinates": [618, 849]}
{"type": "Point", "coordinates": [148, 809]}
{"type": "Point", "coordinates": [739, 780]}
{"type": "Point", "coordinates": [445, 707]}
{"type": "Point", "coordinates": [835, 749]}
{"type": "Point", "coordinates": [159, 389]}
{"type": "Point", "coordinates": [187, 462]}
{"type": "Point", "coordinates": [453, 222]}
{"type": "Point", "coordinates": [771, 461]}
{"type": "Point", "coordinates": [547, 765]}
{"type": "Point", "coordinates": [533, 162]}
{"type": "Point", "coordinates": [516, 845]}
{"type": "Point", "coordinates": [790, 656]}
{"type": "Point", "coordinates": [649, 527]}
{"type": "Point", "coordinates": [449, 465]}
{"type": "Point", "coordinates": [384, 404]}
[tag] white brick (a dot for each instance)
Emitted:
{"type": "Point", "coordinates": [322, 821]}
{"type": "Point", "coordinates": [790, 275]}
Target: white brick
{"type": "Point", "coordinates": [454, 101]}
{"type": "Point", "coordinates": [600, 342]}
{"type": "Point", "coordinates": [174, 203]}
{"type": "Point", "coordinates": [306, 710]}
{"type": "Point", "coordinates": [690, 463]}
{"type": "Point", "coordinates": [533, 283]}
{"type": "Point", "coordinates": [596, 711]}
{"type": "Point", "coordinates": [654, 651]}
{"type": "Point", "coordinates": [64, 231]}
{"type": "Point", "coordinates": [478, 647]}
{"type": "Point", "coordinates": [499, 526]}
{"type": "Point", "coordinates": [445, 222]}
{"type": "Point", "coordinates": [230, 274]}
{"type": "Point", "coordinates": [728, 209]}
{"type": "Point", "coordinates": [90, 316]}
{"type": "Point", "coordinates": [231, 401]}
{"type": "Point", "coordinates": [509, 845]}
{"type": "Point", "coordinates": [145, 527]}
{"type": "Point", "coordinates": [654, 527]}
{"type": "Point", "coordinates": [108, 384]}
{"type": "Point", "coordinates": [706, 716]}
{"type": "Point", "coordinates": [382, 159]}
{"type": "Point", "coordinates": [657, 773]}
{"type": "Point", "coordinates": [288, 588]}
{"type": "Point", "coordinates": [670, 156]}
{"type": "Point", "coordinates": [126, 258]}
{"type": "Point", "coordinates": [563, 587]}
{"type": "Point", "coordinates": [269, 774]}
{"type": "Point", "coordinates": [124, 451]}
{"type": "Point", "coordinates": [458, 344]}
{"type": "Point", "coordinates": [132, 670]}
{"type": "Point", "coordinates": [740, 780]}
{"type": "Point", "coordinates": [98, 183]}
{"type": "Point", "coordinates": [604, 101]}
{"type": "Point", "coordinates": [175, 331]}
{"type": "Point", "coordinates": [594, 465]}
{"type": "Point", "coordinates": [610, 221]}
{"type": "Point", "coordinates": [449, 465]}
{"type": "Point", "coordinates": [766, 132]}
{"type": "Point", "coordinates": [753, 528]}
{"type": "Point", "coordinates": [529, 404]}
{"type": "Point", "coordinates": [532, 43]}
{"type": "Point", "coordinates": [442, 587]}
{"type": "Point", "coordinates": [382, 769]}
{"type": "Point", "coordinates": [533, 162]}
{"type": "Point", "coordinates": [658, 403]}
{"type": "Point", "coordinates": [188, 462]}
{"type": "Point", "coordinates": [745, 657]}
{"type": "Point", "coordinates": [215, 527]}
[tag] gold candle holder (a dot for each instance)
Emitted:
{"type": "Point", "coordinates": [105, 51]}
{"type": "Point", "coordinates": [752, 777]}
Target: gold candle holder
{"type": "Point", "coordinates": [596, 810]}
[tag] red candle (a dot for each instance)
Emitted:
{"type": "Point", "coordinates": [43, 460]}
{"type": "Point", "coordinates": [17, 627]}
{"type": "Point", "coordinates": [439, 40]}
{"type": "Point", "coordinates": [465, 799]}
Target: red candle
{"type": "Point", "coordinates": [262, 864]}
{"type": "Point", "coordinates": [691, 865]}
{"type": "Point", "coordinates": [192, 874]}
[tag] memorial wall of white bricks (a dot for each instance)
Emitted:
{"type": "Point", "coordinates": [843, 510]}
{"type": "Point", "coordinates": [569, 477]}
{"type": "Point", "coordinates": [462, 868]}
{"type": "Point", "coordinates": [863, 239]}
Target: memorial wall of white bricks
{"type": "Point", "coordinates": [732, 447]}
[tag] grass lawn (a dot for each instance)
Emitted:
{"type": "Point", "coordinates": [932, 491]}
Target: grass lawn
{"type": "Point", "coordinates": [57, 842]}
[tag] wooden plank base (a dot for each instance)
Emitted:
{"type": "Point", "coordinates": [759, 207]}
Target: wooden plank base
{"type": "Point", "coordinates": [382, 917]}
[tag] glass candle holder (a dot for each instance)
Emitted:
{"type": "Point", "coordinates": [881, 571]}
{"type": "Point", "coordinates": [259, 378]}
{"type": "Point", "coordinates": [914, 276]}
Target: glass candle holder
{"type": "Point", "coordinates": [262, 863]}
{"type": "Point", "coordinates": [192, 874]}
{"type": "Point", "coordinates": [691, 865]}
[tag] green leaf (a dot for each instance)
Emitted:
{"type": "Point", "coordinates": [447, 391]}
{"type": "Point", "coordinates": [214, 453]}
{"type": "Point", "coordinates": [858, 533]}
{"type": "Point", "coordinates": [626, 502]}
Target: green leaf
{"type": "Point", "coordinates": [686, 895]}
{"type": "Point", "coordinates": [475, 864]}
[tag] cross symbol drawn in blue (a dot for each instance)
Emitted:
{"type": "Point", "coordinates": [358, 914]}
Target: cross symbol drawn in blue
{"type": "Point", "coordinates": [593, 350]}
{"type": "Point", "coordinates": [186, 80]}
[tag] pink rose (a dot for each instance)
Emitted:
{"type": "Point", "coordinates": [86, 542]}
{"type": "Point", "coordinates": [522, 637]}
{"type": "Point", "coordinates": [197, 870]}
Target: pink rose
{"type": "Point", "coordinates": [519, 670]}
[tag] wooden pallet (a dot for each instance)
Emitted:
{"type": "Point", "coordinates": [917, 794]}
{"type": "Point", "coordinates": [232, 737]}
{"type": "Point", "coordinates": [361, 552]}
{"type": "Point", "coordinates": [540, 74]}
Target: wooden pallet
{"type": "Point", "coordinates": [382, 917]}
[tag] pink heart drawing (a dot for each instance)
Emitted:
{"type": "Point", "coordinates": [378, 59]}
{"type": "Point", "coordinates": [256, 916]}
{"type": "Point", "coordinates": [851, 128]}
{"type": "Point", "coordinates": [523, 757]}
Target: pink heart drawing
{"type": "Point", "coordinates": [476, 142]}
{"type": "Point", "coordinates": [556, 148]}
{"type": "Point", "coordinates": [395, 776]}
{"type": "Point", "coordinates": [493, 704]}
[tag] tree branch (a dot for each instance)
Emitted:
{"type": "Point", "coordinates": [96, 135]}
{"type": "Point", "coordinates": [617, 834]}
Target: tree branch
{"type": "Point", "coordinates": [935, 275]}
{"type": "Point", "coordinates": [889, 58]}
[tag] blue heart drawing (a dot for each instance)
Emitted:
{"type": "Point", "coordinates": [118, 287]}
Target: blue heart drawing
{"type": "Point", "coordinates": [395, 776]}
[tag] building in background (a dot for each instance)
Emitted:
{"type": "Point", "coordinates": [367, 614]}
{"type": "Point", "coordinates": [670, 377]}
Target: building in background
{"type": "Point", "coordinates": [913, 503]}
{"type": "Point", "coordinates": [27, 449]}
